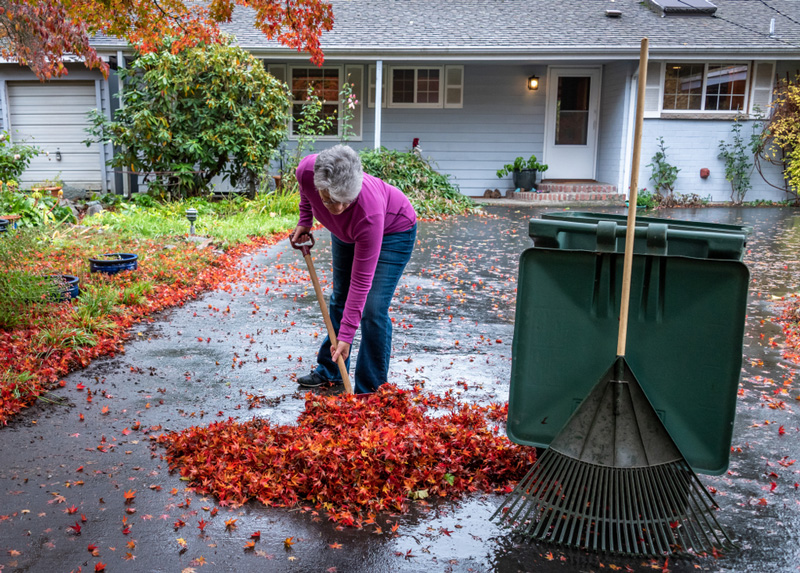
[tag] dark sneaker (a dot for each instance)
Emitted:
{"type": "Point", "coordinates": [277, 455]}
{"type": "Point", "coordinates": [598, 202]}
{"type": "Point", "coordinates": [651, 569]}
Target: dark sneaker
{"type": "Point", "coordinates": [313, 380]}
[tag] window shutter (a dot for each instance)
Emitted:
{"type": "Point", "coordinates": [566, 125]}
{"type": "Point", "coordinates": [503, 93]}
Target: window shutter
{"type": "Point", "coordinates": [652, 90]}
{"type": "Point", "coordinates": [761, 87]}
{"type": "Point", "coordinates": [372, 74]}
{"type": "Point", "coordinates": [354, 75]}
{"type": "Point", "coordinates": [454, 86]}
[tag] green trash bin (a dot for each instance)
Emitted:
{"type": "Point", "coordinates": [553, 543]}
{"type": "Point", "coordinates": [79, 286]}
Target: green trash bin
{"type": "Point", "coordinates": [587, 216]}
{"type": "Point", "coordinates": [684, 335]}
{"type": "Point", "coordinates": [600, 232]}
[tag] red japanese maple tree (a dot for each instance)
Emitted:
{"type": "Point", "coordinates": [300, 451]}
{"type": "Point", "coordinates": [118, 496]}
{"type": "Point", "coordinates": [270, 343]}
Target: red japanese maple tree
{"type": "Point", "coordinates": [40, 33]}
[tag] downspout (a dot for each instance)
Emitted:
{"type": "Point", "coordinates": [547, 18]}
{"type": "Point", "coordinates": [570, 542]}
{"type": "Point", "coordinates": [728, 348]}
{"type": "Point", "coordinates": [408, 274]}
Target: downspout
{"type": "Point", "coordinates": [378, 100]}
{"type": "Point", "coordinates": [631, 87]}
{"type": "Point", "coordinates": [126, 187]}
{"type": "Point", "coordinates": [98, 91]}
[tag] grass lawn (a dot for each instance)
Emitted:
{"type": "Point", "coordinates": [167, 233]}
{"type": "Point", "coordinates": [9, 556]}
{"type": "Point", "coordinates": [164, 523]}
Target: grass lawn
{"type": "Point", "coordinates": [41, 339]}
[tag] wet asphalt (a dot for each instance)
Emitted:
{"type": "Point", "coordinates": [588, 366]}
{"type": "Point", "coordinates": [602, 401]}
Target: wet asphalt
{"type": "Point", "coordinates": [454, 322]}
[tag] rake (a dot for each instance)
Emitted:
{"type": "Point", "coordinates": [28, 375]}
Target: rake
{"type": "Point", "coordinates": [612, 479]}
{"type": "Point", "coordinates": [305, 249]}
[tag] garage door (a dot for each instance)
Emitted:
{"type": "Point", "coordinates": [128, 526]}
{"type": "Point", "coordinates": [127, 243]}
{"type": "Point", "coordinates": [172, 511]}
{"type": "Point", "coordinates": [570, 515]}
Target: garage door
{"type": "Point", "coordinates": [52, 116]}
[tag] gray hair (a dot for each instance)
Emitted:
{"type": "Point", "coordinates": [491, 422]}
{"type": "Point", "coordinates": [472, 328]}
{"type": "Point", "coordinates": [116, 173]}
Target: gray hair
{"type": "Point", "coordinates": [338, 170]}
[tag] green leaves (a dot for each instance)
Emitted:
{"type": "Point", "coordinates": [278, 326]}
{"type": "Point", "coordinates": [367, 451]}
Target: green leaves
{"type": "Point", "coordinates": [430, 192]}
{"type": "Point", "coordinates": [664, 174]}
{"type": "Point", "coordinates": [195, 114]}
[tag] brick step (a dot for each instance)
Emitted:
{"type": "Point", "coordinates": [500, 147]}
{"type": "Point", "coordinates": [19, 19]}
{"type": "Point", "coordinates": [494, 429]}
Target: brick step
{"type": "Point", "coordinates": [568, 197]}
{"type": "Point", "coordinates": [588, 187]}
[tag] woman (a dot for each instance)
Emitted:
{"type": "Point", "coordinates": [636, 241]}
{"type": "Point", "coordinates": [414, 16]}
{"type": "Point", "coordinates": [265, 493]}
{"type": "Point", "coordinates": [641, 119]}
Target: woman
{"type": "Point", "coordinates": [373, 229]}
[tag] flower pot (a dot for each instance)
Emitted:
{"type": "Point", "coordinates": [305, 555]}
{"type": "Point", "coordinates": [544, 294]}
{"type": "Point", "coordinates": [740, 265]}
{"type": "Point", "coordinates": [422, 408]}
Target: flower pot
{"type": "Point", "coordinates": [11, 220]}
{"type": "Point", "coordinates": [66, 287]}
{"type": "Point", "coordinates": [113, 263]}
{"type": "Point", "coordinates": [525, 179]}
{"type": "Point", "coordinates": [53, 190]}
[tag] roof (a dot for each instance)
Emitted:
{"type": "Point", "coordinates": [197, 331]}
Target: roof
{"type": "Point", "coordinates": [546, 29]}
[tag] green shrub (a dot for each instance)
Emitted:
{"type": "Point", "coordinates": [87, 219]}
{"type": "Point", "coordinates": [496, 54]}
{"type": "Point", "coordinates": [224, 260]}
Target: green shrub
{"type": "Point", "coordinates": [430, 192]}
{"type": "Point", "coordinates": [192, 115]}
{"type": "Point", "coordinates": [664, 175]}
{"type": "Point", "coordinates": [35, 209]}
{"type": "Point", "coordinates": [14, 157]}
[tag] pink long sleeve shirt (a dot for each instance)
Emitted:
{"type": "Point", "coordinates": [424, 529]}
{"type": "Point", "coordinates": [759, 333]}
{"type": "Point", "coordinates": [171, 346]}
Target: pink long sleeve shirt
{"type": "Point", "coordinates": [379, 209]}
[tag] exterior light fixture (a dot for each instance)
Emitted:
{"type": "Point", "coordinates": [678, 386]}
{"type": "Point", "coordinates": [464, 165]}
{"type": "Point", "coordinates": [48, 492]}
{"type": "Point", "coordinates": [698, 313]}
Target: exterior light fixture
{"type": "Point", "coordinates": [58, 155]}
{"type": "Point", "coordinates": [191, 214]}
{"type": "Point", "coordinates": [533, 83]}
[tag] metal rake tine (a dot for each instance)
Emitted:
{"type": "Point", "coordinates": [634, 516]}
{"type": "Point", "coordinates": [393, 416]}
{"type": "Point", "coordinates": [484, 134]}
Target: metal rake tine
{"type": "Point", "coordinates": [687, 530]}
{"type": "Point", "coordinates": [639, 540]}
{"type": "Point", "coordinates": [683, 476]}
{"type": "Point", "coordinates": [520, 491]}
{"type": "Point", "coordinates": [560, 502]}
{"type": "Point", "coordinates": [622, 531]}
{"type": "Point", "coordinates": [517, 494]}
{"type": "Point", "coordinates": [592, 511]}
{"type": "Point", "coordinates": [531, 501]}
{"type": "Point", "coordinates": [661, 493]}
{"type": "Point", "coordinates": [552, 490]}
{"type": "Point", "coordinates": [589, 472]}
{"type": "Point", "coordinates": [712, 527]}
{"type": "Point", "coordinates": [569, 505]}
{"type": "Point", "coordinates": [599, 511]}
{"type": "Point", "coordinates": [654, 532]}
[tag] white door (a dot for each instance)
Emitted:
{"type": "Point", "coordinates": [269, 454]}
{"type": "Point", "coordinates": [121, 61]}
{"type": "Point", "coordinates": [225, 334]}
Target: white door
{"type": "Point", "coordinates": [52, 116]}
{"type": "Point", "coordinates": [570, 147]}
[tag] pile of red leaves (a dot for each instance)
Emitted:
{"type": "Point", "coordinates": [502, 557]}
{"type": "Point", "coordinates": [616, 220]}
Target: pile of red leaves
{"type": "Point", "coordinates": [789, 319]}
{"type": "Point", "coordinates": [177, 275]}
{"type": "Point", "coordinates": [352, 457]}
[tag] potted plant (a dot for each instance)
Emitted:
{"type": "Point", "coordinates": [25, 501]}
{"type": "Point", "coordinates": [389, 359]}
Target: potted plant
{"type": "Point", "coordinates": [51, 186]}
{"type": "Point", "coordinates": [523, 172]}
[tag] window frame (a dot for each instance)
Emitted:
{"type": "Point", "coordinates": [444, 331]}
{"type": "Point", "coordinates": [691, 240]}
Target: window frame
{"type": "Point", "coordinates": [703, 94]}
{"type": "Point", "coordinates": [290, 126]}
{"type": "Point", "coordinates": [415, 104]}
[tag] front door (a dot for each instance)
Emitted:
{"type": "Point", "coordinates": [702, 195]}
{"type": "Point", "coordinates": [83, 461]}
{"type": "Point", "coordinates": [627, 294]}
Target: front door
{"type": "Point", "coordinates": [570, 148]}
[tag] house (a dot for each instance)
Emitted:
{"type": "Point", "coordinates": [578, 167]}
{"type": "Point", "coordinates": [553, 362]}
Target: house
{"type": "Point", "coordinates": [459, 75]}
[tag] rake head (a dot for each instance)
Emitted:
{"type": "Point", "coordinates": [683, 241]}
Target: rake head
{"type": "Point", "coordinates": [614, 481]}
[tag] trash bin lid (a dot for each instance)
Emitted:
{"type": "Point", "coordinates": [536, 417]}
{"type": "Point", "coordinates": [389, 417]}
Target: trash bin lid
{"type": "Point", "coordinates": [600, 232]}
{"type": "Point", "coordinates": [587, 216]}
{"type": "Point", "coordinates": [684, 343]}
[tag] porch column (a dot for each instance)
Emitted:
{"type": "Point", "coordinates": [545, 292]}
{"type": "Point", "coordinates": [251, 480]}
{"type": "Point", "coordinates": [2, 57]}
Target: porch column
{"type": "Point", "coordinates": [378, 100]}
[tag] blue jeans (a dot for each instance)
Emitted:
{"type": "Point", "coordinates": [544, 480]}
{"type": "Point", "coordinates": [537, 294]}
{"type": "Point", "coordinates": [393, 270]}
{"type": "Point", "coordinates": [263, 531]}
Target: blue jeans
{"type": "Point", "coordinates": [372, 364]}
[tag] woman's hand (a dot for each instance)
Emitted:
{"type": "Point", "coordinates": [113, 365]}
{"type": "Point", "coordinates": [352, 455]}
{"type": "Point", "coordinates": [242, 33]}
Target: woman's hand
{"type": "Point", "coordinates": [301, 235]}
{"type": "Point", "coordinates": [342, 349]}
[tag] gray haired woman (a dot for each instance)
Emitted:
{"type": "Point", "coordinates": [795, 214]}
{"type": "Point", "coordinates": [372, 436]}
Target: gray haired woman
{"type": "Point", "coordinates": [373, 230]}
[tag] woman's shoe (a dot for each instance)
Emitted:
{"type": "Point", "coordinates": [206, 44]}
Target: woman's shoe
{"type": "Point", "coordinates": [313, 380]}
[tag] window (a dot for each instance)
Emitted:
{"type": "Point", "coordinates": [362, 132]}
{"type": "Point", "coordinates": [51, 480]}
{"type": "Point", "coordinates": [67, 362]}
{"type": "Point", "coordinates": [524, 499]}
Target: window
{"type": "Point", "coordinates": [705, 87]}
{"type": "Point", "coordinates": [431, 87]}
{"type": "Point", "coordinates": [325, 84]}
{"type": "Point", "coordinates": [417, 87]}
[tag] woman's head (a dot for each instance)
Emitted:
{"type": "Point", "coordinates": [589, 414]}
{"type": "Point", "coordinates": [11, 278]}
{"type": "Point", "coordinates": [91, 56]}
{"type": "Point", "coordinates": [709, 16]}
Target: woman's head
{"type": "Point", "coordinates": [338, 174]}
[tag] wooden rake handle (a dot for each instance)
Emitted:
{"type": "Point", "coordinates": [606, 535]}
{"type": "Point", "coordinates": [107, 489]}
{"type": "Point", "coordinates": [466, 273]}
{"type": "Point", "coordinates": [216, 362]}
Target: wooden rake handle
{"type": "Point", "coordinates": [306, 250]}
{"type": "Point", "coordinates": [637, 148]}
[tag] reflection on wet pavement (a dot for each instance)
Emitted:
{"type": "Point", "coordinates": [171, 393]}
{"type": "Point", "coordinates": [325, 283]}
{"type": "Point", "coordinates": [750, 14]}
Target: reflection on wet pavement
{"type": "Point", "coordinates": [236, 352]}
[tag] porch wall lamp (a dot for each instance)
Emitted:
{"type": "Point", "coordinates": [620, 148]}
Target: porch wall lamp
{"type": "Point", "coordinates": [533, 83]}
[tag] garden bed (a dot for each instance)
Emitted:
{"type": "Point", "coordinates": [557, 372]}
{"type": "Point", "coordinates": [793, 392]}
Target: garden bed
{"type": "Point", "coordinates": [41, 342]}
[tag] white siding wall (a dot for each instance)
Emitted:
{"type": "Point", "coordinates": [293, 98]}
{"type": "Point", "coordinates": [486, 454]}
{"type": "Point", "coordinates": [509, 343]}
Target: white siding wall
{"type": "Point", "coordinates": [614, 119]}
{"type": "Point", "coordinates": [692, 145]}
{"type": "Point", "coordinates": [500, 120]}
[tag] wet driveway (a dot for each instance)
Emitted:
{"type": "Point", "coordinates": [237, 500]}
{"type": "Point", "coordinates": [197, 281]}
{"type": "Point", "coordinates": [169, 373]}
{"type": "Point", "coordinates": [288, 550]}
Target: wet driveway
{"type": "Point", "coordinates": [235, 353]}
